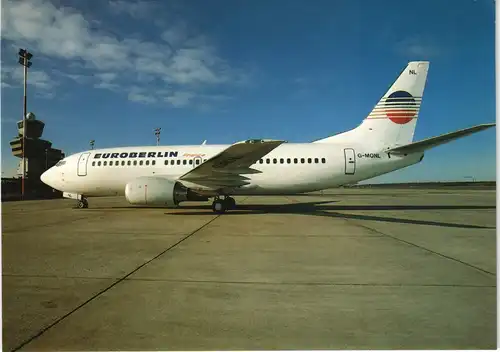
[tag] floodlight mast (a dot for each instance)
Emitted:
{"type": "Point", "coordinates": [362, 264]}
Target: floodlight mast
{"type": "Point", "coordinates": [24, 57]}
{"type": "Point", "coordinates": [157, 134]}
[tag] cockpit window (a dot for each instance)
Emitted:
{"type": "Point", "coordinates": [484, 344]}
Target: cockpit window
{"type": "Point", "coordinates": [61, 163]}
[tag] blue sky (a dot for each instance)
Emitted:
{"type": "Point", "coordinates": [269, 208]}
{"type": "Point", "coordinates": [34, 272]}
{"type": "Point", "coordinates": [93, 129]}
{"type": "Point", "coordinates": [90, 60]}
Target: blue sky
{"type": "Point", "coordinates": [227, 71]}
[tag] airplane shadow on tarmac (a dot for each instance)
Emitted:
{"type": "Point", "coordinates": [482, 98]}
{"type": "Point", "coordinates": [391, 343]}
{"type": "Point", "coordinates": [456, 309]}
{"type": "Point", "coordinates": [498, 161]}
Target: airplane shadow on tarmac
{"type": "Point", "coordinates": [323, 208]}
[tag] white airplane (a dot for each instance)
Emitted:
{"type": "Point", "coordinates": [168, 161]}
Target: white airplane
{"type": "Point", "coordinates": [169, 175]}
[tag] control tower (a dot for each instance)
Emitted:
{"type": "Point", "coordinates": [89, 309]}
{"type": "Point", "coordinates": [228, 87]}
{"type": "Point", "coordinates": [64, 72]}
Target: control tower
{"type": "Point", "coordinates": [39, 154]}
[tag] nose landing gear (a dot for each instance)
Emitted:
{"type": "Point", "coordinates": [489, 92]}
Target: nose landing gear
{"type": "Point", "coordinates": [220, 206]}
{"type": "Point", "coordinates": [81, 201]}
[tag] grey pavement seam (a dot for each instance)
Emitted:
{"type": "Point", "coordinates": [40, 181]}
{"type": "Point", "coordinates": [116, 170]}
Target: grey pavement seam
{"type": "Point", "coordinates": [42, 331]}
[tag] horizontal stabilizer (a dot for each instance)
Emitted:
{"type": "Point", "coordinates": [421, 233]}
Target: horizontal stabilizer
{"type": "Point", "coordinates": [432, 142]}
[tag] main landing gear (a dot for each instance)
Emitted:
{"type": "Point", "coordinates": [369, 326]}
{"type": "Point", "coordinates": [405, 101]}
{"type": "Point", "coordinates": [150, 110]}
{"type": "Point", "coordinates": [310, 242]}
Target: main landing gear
{"type": "Point", "coordinates": [82, 203]}
{"type": "Point", "coordinates": [220, 206]}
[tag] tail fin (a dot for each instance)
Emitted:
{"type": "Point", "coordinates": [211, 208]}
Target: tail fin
{"type": "Point", "coordinates": [393, 120]}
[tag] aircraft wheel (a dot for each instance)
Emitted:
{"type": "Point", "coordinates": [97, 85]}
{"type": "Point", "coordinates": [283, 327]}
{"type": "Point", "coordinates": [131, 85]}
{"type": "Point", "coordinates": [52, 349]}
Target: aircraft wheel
{"type": "Point", "coordinates": [219, 206]}
{"type": "Point", "coordinates": [231, 202]}
{"type": "Point", "coordinates": [83, 204]}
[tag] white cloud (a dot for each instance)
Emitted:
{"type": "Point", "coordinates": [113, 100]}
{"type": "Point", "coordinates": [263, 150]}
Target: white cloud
{"type": "Point", "coordinates": [215, 97]}
{"type": "Point", "coordinates": [14, 77]}
{"type": "Point", "coordinates": [180, 99]}
{"type": "Point", "coordinates": [176, 35]}
{"type": "Point", "coordinates": [141, 98]}
{"type": "Point", "coordinates": [106, 77]}
{"type": "Point", "coordinates": [107, 85]}
{"type": "Point", "coordinates": [182, 59]}
{"type": "Point", "coordinates": [47, 94]}
{"type": "Point", "coordinates": [40, 79]}
{"type": "Point", "coordinates": [417, 48]}
{"type": "Point", "coordinates": [78, 78]}
{"type": "Point", "coordinates": [135, 9]}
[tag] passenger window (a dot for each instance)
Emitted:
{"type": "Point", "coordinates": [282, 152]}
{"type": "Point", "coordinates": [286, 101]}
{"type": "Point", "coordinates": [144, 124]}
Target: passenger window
{"type": "Point", "coordinates": [93, 163]}
{"type": "Point", "coordinates": [275, 161]}
{"type": "Point", "coordinates": [309, 160]}
{"type": "Point", "coordinates": [282, 161]}
{"type": "Point", "coordinates": [316, 160]}
{"type": "Point", "coordinates": [166, 162]}
{"type": "Point", "coordinates": [302, 160]}
{"type": "Point", "coordinates": [268, 161]}
{"type": "Point", "coordinates": [178, 162]}
{"type": "Point", "coordinates": [323, 160]}
{"type": "Point", "coordinates": [153, 162]}
{"type": "Point", "coordinates": [135, 162]}
{"type": "Point", "coordinates": [99, 163]}
{"type": "Point", "coordinates": [261, 161]}
{"type": "Point", "coordinates": [104, 163]}
{"type": "Point", "coordinates": [147, 162]}
{"type": "Point", "coordinates": [123, 162]}
{"type": "Point", "coordinates": [197, 161]}
{"type": "Point", "coordinates": [190, 161]}
{"type": "Point", "coordinates": [140, 162]}
{"type": "Point", "coordinates": [129, 163]}
{"type": "Point", "coordinates": [288, 160]}
{"type": "Point", "coordinates": [172, 162]}
{"type": "Point", "coordinates": [184, 162]}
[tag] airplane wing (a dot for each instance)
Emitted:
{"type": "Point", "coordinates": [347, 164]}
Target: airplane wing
{"type": "Point", "coordinates": [432, 142]}
{"type": "Point", "coordinates": [226, 169]}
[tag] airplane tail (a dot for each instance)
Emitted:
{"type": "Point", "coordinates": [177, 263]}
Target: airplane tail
{"type": "Point", "coordinates": [393, 120]}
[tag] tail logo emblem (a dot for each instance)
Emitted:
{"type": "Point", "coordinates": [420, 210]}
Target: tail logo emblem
{"type": "Point", "coordinates": [400, 107]}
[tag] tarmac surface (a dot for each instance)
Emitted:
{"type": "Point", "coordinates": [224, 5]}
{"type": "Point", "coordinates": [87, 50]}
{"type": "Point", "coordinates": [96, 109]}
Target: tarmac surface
{"type": "Point", "coordinates": [347, 269]}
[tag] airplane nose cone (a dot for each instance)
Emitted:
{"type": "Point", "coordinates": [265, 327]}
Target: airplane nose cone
{"type": "Point", "coordinates": [46, 178]}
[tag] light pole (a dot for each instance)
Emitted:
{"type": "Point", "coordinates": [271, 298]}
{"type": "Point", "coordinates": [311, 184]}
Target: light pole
{"type": "Point", "coordinates": [92, 142]}
{"type": "Point", "coordinates": [157, 134]}
{"type": "Point", "coordinates": [24, 57]}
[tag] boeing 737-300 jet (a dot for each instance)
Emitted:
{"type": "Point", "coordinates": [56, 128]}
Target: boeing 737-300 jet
{"type": "Point", "coordinates": [169, 175]}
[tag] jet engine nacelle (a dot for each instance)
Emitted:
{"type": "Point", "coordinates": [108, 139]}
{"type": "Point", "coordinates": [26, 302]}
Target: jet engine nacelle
{"type": "Point", "coordinates": [158, 191]}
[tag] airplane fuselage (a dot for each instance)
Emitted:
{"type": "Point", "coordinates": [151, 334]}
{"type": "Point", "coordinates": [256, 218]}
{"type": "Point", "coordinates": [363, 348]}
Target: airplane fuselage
{"type": "Point", "coordinates": [289, 168]}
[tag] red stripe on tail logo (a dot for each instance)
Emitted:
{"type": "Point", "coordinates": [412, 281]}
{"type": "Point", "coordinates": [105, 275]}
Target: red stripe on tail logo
{"type": "Point", "coordinates": [400, 107]}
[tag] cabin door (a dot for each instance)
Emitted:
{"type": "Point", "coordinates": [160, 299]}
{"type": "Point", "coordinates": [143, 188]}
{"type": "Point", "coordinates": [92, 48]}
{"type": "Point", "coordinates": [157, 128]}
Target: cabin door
{"type": "Point", "coordinates": [82, 164]}
{"type": "Point", "coordinates": [350, 161]}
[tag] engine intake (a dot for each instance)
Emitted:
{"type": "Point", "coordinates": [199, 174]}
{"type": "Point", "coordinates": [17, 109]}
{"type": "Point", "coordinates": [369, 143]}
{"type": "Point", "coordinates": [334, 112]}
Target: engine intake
{"type": "Point", "coordinates": [158, 191]}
